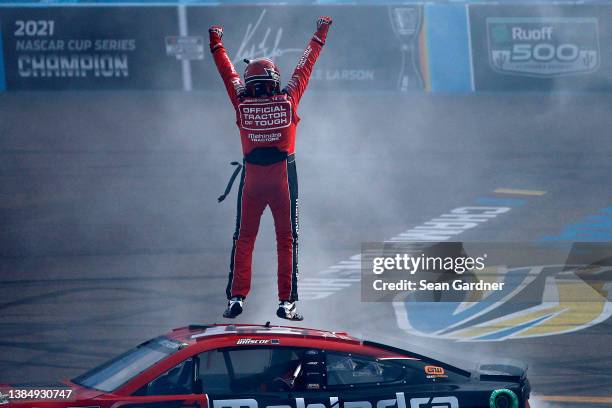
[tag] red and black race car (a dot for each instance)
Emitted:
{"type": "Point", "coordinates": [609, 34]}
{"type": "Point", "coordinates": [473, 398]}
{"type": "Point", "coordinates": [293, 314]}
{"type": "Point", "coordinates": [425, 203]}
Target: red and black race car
{"type": "Point", "coordinates": [263, 366]}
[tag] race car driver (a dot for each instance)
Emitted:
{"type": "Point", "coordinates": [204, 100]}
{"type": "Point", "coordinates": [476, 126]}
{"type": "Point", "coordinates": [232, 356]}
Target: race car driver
{"type": "Point", "coordinates": [267, 118]}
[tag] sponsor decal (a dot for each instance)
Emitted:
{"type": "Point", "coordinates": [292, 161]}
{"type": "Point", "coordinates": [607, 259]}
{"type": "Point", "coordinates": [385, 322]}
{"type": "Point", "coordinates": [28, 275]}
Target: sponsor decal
{"type": "Point", "coordinates": [399, 402]}
{"type": "Point", "coordinates": [304, 58]}
{"type": "Point", "coordinates": [543, 47]}
{"type": "Point", "coordinates": [434, 372]}
{"type": "Point", "coordinates": [185, 47]}
{"type": "Point", "coordinates": [248, 341]}
{"type": "Point", "coordinates": [265, 116]}
{"type": "Point", "coordinates": [536, 301]}
{"type": "Point", "coordinates": [239, 88]}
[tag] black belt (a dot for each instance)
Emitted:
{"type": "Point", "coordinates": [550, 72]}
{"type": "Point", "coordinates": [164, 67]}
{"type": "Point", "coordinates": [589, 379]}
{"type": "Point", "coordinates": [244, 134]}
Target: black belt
{"type": "Point", "coordinates": [265, 156]}
{"type": "Point", "coordinates": [261, 157]}
{"type": "Point", "coordinates": [231, 181]}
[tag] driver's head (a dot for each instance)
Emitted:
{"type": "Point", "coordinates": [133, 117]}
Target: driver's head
{"type": "Point", "coordinates": [261, 77]}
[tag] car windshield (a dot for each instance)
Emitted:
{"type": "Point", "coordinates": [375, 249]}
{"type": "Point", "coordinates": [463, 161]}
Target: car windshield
{"type": "Point", "coordinates": [118, 371]}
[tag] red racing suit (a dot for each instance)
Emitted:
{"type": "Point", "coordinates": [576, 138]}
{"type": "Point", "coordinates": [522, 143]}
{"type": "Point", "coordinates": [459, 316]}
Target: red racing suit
{"type": "Point", "coordinates": [267, 132]}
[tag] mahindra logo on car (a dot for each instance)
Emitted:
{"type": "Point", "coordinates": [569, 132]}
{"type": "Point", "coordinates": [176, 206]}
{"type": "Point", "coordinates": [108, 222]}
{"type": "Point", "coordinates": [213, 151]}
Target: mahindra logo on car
{"type": "Point", "coordinates": [437, 402]}
{"type": "Point", "coordinates": [398, 402]}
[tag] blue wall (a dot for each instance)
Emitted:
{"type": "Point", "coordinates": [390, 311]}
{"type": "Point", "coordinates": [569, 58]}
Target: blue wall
{"type": "Point", "coordinates": [448, 48]}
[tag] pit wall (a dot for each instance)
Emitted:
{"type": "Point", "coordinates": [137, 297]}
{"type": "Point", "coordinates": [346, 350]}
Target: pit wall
{"type": "Point", "coordinates": [434, 47]}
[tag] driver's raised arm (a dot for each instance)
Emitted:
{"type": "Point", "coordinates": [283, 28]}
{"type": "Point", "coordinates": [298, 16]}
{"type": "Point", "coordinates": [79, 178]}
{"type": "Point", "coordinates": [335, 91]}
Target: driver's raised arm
{"type": "Point", "coordinates": [231, 78]}
{"type": "Point", "coordinates": [301, 75]}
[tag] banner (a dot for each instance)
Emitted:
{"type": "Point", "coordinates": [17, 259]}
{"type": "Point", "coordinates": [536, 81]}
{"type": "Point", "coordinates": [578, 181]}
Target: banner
{"type": "Point", "coordinates": [544, 48]}
{"type": "Point", "coordinates": [369, 48]}
{"type": "Point", "coordinates": [89, 48]}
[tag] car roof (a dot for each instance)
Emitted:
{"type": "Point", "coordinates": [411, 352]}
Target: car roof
{"type": "Point", "coordinates": [199, 332]}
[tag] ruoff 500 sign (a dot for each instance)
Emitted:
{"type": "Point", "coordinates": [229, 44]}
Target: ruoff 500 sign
{"type": "Point", "coordinates": [543, 47]}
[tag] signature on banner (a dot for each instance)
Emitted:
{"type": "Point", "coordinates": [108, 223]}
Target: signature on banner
{"type": "Point", "coordinates": [267, 47]}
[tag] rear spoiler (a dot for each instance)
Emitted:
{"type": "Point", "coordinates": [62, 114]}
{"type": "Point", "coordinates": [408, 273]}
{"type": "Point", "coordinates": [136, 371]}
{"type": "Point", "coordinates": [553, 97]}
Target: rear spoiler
{"type": "Point", "coordinates": [503, 372]}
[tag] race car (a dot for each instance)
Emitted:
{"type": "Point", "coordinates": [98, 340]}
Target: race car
{"type": "Point", "coordinates": [264, 366]}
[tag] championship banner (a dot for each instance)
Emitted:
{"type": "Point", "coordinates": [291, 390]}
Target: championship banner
{"type": "Point", "coordinates": [56, 48]}
{"type": "Point", "coordinates": [544, 48]}
{"type": "Point", "coordinates": [369, 48]}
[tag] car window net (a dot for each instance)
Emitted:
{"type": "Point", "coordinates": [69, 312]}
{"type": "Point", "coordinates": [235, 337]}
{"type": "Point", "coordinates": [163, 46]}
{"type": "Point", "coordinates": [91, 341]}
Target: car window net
{"type": "Point", "coordinates": [346, 369]}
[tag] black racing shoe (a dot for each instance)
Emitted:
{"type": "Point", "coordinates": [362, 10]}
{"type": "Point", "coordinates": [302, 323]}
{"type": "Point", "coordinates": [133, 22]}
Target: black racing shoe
{"type": "Point", "coordinates": [288, 310]}
{"type": "Point", "coordinates": [234, 307]}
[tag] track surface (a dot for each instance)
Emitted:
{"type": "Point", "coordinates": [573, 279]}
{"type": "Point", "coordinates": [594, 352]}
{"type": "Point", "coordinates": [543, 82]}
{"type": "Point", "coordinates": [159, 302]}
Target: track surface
{"type": "Point", "coordinates": [111, 233]}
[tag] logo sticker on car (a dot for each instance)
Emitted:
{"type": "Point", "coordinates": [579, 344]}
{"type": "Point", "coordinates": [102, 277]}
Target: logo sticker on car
{"type": "Point", "coordinates": [249, 341]}
{"type": "Point", "coordinates": [399, 402]}
{"type": "Point", "coordinates": [435, 372]}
